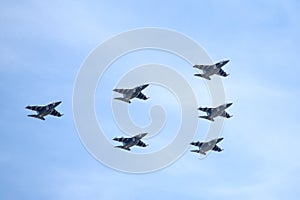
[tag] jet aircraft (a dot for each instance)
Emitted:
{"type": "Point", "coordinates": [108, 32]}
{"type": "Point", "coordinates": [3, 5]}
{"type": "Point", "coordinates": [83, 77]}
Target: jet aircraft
{"type": "Point", "coordinates": [209, 70]}
{"type": "Point", "coordinates": [131, 93]}
{"type": "Point", "coordinates": [215, 112]}
{"type": "Point", "coordinates": [42, 111]}
{"type": "Point", "coordinates": [207, 146]}
{"type": "Point", "coordinates": [131, 141]}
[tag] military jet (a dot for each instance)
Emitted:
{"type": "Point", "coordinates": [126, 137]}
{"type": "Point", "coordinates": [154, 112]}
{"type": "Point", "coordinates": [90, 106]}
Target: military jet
{"type": "Point", "coordinates": [42, 111]}
{"type": "Point", "coordinates": [207, 146]}
{"type": "Point", "coordinates": [214, 112]}
{"type": "Point", "coordinates": [132, 141]}
{"type": "Point", "coordinates": [209, 70]}
{"type": "Point", "coordinates": [131, 93]}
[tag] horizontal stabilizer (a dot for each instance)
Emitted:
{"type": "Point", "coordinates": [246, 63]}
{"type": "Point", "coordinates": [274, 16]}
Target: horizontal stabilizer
{"type": "Point", "coordinates": [198, 151]}
{"type": "Point", "coordinates": [201, 75]}
{"type": "Point", "coordinates": [206, 117]}
{"type": "Point", "coordinates": [122, 147]}
{"type": "Point", "coordinates": [123, 99]}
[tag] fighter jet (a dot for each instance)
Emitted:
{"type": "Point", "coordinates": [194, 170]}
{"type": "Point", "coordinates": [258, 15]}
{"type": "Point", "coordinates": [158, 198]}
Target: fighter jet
{"type": "Point", "coordinates": [214, 112]}
{"type": "Point", "coordinates": [131, 93]}
{"type": "Point", "coordinates": [132, 141]}
{"type": "Point", "coordinates": [209, 70]}
{"type": "Point", "coordinates": [207, 146]}
{"type": "Point", "coordinates": [42, 111]}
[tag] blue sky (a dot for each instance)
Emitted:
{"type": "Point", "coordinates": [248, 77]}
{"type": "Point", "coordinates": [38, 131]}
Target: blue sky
{"type": "Point", "coordinates": [44, 43]}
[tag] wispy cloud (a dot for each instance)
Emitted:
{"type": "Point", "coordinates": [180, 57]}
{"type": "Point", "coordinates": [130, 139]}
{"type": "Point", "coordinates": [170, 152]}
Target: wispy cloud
{"type": "Point", "coordinates": [43, 45]}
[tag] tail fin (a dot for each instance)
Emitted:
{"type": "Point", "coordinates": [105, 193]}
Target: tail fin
{"type": "Point", "coordinates": [201, 75]}
{"type": "Point", "coordinates": [206, 117]}
{"type": "Point", "coordinates": [123, 99]}
{"type": "Point", "coordinates": [122, 147]}
{"type": "Point", "coordinates": [36, 116]}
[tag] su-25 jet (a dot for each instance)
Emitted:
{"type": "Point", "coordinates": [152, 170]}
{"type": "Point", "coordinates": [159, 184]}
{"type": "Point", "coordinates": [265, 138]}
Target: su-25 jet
{"type": "Point", "coordinates": [132, 141]}
{"type": "Point", "coordinates": [209, 70]}
{"type": "Point", "coordinates": [215, 112]}
{"type": "Point", "coordinates": [131, 93]}
{"type": "Point", "coordinates": [42, 111]}
{"type": "Point", "coordinates": [207, 146]}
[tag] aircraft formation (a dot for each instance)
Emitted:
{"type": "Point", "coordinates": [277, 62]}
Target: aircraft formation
{"type": "Point", "coordinates": [136, 92]}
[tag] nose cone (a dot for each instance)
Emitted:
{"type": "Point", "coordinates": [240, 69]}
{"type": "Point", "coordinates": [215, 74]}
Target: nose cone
{"type": "Point", "coordinates": [142, 135]}
{"type": "Point", "coordinates": [225, 62]}
{"type": "Point", "coordinates": [222, 63]}
{"type": "Point", "coordinates": [228, 105]}
{"type": "Point", "coordinates": [144, 86]}
{"type": "Point", "coordinates": [219, 140]}
{"type": "Point", "coordinates": [56, 103]}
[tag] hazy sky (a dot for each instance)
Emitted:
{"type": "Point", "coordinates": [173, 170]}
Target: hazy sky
{"type": "Point", "coordinates": [43, 45]}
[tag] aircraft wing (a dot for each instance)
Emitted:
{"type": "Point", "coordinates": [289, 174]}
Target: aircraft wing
{"type": "Point", "coordinates": [203, 67]}
{"type": "Point", "coordinates": [35, 108]}
{"type": "Point", "coordinates": [141, 144]}
{"type": "Point", "coordinates": [205, 109]}
{"type": "Point", "coordinates": [225, 114]}
{"type": "Point", "coordinates": [55, 113]}
{"type": "Point", "coordinates": [222, 73]}
{"type": "Point", "coordinates": [199, 144]}
{"type": "Point", "coordinates": [123, 91]}
{"type": "Point", "coordinates": [122, 139]}
{"type": "Point", "coordinates": [216, 148]}
{"type": "Point", "coordinates": [141, 96]}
